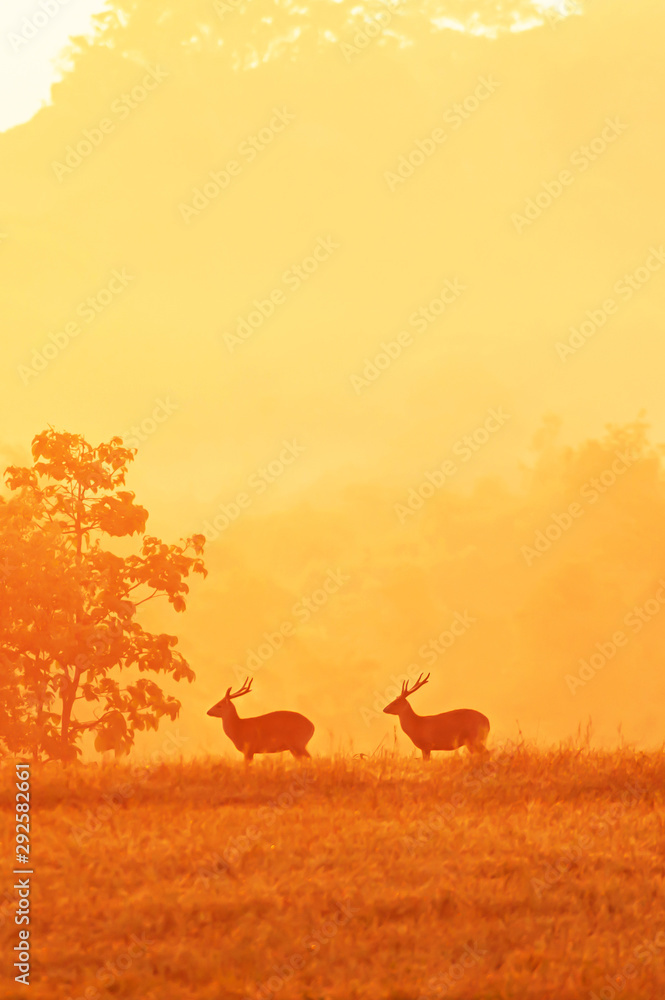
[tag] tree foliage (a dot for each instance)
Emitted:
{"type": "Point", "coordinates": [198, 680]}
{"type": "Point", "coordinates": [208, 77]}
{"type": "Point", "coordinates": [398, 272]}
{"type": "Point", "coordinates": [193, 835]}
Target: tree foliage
{"type": "Point", "coordinates": [68, 615]}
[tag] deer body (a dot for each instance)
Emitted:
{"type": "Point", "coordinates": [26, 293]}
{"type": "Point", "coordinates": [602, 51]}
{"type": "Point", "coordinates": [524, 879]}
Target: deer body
{"type": "Point", "coordinates": [446, 731]}
{"type": "Point", "coordinates": [271, 733]}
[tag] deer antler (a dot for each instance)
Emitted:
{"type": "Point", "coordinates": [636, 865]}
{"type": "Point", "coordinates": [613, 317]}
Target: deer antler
{"type": "Point", "coordinates": [243, 690]}
{"type": "Point", "coordinates": [419, 683]}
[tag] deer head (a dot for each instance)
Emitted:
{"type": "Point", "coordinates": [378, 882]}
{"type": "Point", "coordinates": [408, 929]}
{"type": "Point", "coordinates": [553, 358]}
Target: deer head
{"type": "Point", "coordinates": [224, 709]}
{"type": "Point", "coordinates": [396, 706]}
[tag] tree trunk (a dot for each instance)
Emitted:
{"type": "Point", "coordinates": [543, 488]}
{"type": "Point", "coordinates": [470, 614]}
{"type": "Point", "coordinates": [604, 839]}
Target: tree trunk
{"type": "Point", "coordinates": [67, 707]}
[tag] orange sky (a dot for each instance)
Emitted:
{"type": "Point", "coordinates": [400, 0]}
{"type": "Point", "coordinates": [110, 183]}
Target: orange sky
{"type": "Point", "coordinates": [529, 203]}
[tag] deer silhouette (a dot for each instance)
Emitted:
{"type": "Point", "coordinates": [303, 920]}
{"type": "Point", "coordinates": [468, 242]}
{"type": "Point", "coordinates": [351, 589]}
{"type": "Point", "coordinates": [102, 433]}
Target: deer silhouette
{"type": "Point", "coordinates": [446, 731]}
{"type": "Point", "coordinates": [269, 733]}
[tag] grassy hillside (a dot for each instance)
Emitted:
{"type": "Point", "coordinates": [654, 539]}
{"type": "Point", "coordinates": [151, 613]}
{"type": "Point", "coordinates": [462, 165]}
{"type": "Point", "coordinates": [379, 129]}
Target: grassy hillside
{"type": "Point", "coordinates": [532, 874]}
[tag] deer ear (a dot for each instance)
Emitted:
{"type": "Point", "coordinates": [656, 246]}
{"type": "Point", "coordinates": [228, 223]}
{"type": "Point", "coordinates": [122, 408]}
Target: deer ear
{"type": "Point", "coordinates": [228, 692]}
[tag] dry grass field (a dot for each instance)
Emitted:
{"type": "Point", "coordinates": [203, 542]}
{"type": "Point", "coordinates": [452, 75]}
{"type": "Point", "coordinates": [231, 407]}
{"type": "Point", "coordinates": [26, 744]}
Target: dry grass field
{"type": "Point", "coordinates": [529, 874]}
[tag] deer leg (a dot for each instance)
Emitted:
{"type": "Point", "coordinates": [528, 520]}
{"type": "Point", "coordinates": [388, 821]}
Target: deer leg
{"type": "Point", "coordinates": [299, 752]}
{"type": "Point", "coordinates": [426, 754]}
{"type": "Point", "coordinates": [249, 757]}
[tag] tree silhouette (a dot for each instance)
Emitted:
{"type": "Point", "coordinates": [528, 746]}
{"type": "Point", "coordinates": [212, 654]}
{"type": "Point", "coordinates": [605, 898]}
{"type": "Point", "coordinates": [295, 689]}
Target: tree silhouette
{"type": "Point", "coordinates": [247, 33]}
{"type": "Point", "coordinates": [68, 614]}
